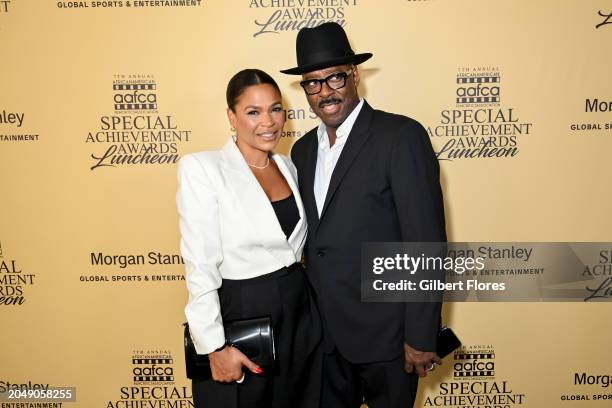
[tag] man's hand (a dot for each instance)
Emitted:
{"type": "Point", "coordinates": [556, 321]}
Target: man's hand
{"type": "Point", "coordinates": [226, 365]}
{"type": "Point", "coordinates": [419, 361]}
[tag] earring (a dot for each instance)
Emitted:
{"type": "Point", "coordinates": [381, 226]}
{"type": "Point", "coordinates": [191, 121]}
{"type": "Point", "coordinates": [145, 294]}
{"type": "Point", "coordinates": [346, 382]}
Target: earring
{"type": "Point", "coordinates": [233, 129]}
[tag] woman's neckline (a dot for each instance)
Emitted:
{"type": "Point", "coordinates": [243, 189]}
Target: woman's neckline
{"type": "Point", "coordinates": [282, 199]}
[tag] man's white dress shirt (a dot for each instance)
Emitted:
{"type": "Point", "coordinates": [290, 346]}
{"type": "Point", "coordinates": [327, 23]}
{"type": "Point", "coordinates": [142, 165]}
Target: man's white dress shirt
{"type": "Point", "coordinates": [327, 156]}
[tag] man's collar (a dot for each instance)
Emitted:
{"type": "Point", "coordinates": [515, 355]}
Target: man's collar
{"type": "Point", "coordinates": [344, 129]}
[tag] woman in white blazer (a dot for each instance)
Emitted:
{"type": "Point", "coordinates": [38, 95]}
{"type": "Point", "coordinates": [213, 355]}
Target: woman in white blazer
{"type": "Point", "coordinates": [243, 229]}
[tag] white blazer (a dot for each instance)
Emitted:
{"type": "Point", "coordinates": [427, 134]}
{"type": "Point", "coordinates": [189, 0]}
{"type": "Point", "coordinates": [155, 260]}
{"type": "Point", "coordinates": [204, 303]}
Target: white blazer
{"type": "Point", "coordinates": [229, 230]}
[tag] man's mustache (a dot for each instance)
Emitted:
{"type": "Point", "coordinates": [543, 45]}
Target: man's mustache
{"type": "Point", "coordinates": [329, 101]}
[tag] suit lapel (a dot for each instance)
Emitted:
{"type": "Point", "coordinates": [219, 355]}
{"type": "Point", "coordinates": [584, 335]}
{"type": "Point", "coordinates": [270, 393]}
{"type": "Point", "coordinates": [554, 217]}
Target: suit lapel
{"type": "Point", "coordinates": [309, 176]}
{"type": "Point", "coordinates": [356, 139]}
{"type": "Point", "coordinates": [254, 203]}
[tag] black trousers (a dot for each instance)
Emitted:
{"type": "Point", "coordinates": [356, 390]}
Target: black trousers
{"type": "Point", "coordinates": [382, 384]}
{"type": "Point", "coordinates": [295, 381]}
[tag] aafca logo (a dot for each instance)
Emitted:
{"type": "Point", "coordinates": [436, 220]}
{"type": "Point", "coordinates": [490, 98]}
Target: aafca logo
{"type": "Point", "coordinates": [478, 126]}
{"type": "Point", "coordinates": [136, 134]}
{"type": "Point", "coordinates": [475, 362]}
{"type": "Point", "coordinates": [135, 95]}
{"type": "Point", "coordinates": [13, 281]}
{"type": "Point", "coordinates": [276, 16]}
{"type": "Point", "coordinates": [153, 383]}
{"type": "Point", "coordinates": [152, 367]}
{"type": "Point", "coordinates": [474, 383]}
{"type": "Point", "coordinates": [4, 6]}
{"type": "Point", "coordinates": [478, 87]}
{"type": "Point", "coordinates": [607, 19]}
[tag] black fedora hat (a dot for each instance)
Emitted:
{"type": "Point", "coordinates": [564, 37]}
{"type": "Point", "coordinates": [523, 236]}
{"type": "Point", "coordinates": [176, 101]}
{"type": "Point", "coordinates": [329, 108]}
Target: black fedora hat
{"type": "Point", "coordinates": [323, 46]}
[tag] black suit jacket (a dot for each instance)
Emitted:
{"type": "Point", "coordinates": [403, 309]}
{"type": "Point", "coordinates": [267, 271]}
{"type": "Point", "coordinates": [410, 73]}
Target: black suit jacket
{"type": "Point", "coordinates": [385, 187]}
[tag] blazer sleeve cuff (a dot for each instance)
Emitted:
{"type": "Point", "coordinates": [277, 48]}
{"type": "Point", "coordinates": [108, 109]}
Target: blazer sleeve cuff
{"type": "Point", "coordinates": [207, 339]}
{"type": "Point", "coordinates": [421, 325]}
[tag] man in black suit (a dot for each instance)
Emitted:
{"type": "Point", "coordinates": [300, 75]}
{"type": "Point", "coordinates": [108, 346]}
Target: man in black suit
{"type": "Point", "coordinates": [365, 176]}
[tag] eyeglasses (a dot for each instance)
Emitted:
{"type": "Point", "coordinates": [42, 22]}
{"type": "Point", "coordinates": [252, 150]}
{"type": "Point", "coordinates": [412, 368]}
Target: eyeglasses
{"type": "Point", "coordinates": [336, 80]}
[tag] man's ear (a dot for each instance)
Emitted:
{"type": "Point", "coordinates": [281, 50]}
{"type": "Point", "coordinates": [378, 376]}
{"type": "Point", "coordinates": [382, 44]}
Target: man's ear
{"type": "Point", "coordinates": [356, 75]}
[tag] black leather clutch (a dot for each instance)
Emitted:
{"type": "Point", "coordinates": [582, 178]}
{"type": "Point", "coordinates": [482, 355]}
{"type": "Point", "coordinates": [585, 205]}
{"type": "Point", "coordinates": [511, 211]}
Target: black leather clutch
{"type": "Point", "coordinates": [447, 342]}
{"type": "Point", "coordinates": [253, 337]}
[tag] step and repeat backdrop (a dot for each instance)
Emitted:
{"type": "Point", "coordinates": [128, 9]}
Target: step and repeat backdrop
{"type": "Point", "coordinates": [100, 99]}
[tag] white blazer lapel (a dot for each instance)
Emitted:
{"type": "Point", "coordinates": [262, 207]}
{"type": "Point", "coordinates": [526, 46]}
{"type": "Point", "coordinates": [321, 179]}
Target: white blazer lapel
{"type": "Point", "coordinates": [255, 205]}
{"type": "Point", "coordinates": [297, 237]}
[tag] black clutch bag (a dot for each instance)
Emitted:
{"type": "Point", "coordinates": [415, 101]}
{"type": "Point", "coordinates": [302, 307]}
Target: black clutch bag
{"type": "Point", "coordinates": [447, 342]}
{"type": "Point", "coordinates": [253, 337]}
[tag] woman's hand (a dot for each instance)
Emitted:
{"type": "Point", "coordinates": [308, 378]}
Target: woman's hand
{"type": "Point", "coordinates": [226, 365]}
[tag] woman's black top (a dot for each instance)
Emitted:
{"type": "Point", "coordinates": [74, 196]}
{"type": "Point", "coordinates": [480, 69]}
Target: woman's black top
{"type": "Point", "coordinates": [287, 213]}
